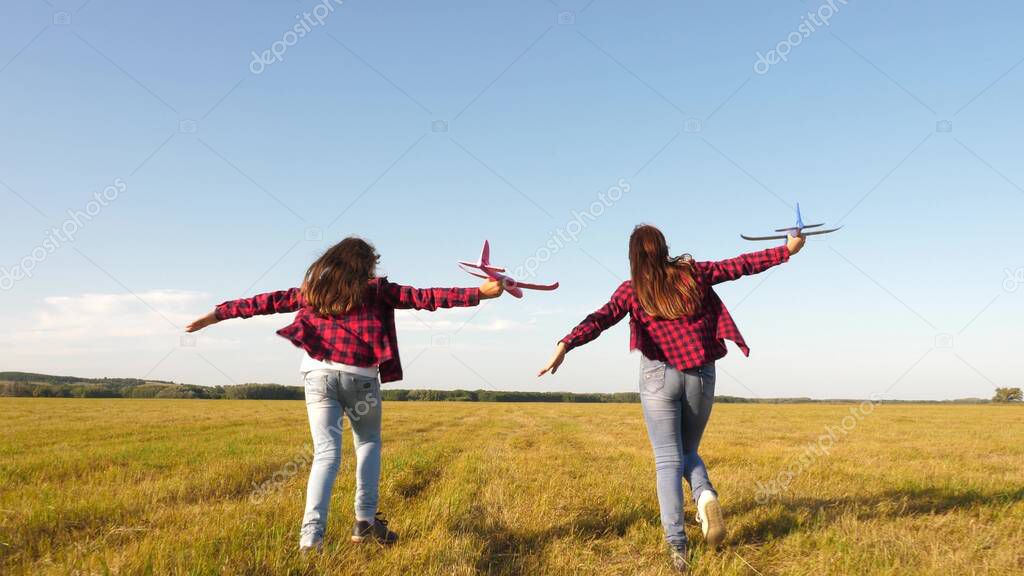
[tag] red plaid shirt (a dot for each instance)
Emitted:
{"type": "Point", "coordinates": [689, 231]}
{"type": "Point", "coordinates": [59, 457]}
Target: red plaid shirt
{"type": "Point", "coordinates": [364, 336]}
{"type": "Point", "coordinates": [683, 343]}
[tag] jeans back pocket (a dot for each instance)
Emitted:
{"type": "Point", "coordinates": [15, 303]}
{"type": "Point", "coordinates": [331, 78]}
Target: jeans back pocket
{"type": "Point", "coordinates": [316, 384]}
{"type": "Point", "coordinates": [652, 377]}
{"type": "Point", "coordinates": [361, 396]}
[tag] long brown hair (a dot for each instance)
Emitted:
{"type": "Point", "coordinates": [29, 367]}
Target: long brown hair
{"type": "Point", "coordinates": [336, 282]}
{"type": "Point", "coordinates": [665, 286]}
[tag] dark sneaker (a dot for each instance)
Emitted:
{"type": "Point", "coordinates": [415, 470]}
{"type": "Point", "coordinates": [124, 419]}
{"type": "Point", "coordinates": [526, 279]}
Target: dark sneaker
{"type": "Point", "coordinates": [376, 530]}
{"type": "Point", "coordinates": [679, 561]}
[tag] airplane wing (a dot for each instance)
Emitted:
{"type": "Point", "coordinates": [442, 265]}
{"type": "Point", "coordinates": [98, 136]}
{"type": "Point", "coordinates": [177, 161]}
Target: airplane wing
{"type": "Point", "coordinates": [473, 273]}
{"type": "Point", "coordinates": [537, 286]}
{"type": "Point", "coordinates": [755, 238]}
{"type": "Point", "coordinates": [794, 227]}
{"type": "Point", "coordinates": [820, 232]}
{"type": "Point", "coordinates": [479, 267]}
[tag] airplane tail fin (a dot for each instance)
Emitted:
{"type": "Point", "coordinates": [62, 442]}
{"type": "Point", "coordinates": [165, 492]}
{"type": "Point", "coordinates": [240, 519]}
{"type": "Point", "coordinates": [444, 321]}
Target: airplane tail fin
{"type": "Point", "coordinates": [799, 217]}
{"type": "Point", "coordinates": [485, 255]}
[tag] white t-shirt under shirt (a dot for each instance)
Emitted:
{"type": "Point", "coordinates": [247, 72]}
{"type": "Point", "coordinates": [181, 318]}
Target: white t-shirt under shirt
{"type": "Point", "coordinates": [309, 364]}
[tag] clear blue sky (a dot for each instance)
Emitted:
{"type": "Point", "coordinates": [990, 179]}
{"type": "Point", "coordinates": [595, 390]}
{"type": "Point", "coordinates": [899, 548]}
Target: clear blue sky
{"type": "Point", "coordinates": [902, 121]}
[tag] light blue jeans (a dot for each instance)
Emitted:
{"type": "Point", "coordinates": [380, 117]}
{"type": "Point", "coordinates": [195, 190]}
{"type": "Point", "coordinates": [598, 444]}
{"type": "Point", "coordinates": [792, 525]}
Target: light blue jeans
{"type": "Point", "coordinates": [329, 394]}
{"type": "Point", "coordinates": [676, 408]}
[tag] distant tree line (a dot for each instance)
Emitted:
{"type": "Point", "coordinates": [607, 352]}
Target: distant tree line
{"type": "Point", "coordinates": [45, 386]}
{"type": "Point", "coordinates": [79, 389]}
{"type": "Point", "coordinates": [26, 384]}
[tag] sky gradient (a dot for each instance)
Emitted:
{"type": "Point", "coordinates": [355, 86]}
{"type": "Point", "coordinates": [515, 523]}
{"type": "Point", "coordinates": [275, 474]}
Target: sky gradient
{"type": "Point", "coordinates": [230, 144]}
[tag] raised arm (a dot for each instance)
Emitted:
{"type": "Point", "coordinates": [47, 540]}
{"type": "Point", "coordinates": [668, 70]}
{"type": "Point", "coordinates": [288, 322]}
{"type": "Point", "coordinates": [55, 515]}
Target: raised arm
{"type": "Point", "coordinates": [403, 297]}
{"type": "Point", "coordinates": [268, 303]}
{"type": "Point", "coordinates": [750, 263]}
{"type": "Point", "coordinates": [592, 326]}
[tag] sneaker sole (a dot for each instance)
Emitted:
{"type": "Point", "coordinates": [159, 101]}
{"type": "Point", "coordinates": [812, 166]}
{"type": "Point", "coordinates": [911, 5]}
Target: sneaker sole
{"type": "Point", "coordinates": [716, 524]}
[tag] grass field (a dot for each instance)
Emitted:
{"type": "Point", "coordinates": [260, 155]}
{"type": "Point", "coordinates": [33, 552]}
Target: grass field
{"type": "Point", "coordinates": [167, 487]}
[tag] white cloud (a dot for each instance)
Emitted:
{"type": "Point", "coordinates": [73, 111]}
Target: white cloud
{"type": "Point", "coordinates": [88, 323]}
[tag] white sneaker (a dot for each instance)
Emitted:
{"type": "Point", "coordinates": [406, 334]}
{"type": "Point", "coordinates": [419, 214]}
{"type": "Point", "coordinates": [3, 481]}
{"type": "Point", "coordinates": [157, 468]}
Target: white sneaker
{"type": "Point", "coordinates": [310, 545]}
{"type": "Point", "coordinates": [712, 523]}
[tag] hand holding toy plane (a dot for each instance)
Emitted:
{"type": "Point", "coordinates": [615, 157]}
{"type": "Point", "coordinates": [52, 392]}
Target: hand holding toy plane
{"type": "Point", "coordinates": [512, 286]}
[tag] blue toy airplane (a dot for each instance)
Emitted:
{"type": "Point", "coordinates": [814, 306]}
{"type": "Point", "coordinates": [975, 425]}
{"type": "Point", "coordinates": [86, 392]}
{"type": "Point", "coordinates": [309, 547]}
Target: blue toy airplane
{"type": "Point", "coordinates": [795, 230]}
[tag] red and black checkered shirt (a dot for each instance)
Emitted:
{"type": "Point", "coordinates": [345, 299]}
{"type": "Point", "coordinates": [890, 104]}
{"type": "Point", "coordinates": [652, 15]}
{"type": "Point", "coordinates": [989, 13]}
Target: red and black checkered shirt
{"type": "Point", "coordinates": [686, 342]}
{"type": "Point", "coordinates": [364, 336]}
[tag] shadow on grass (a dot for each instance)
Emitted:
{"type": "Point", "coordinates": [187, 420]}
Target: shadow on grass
{"type": "Point", "coordinates": [415, 473]}
{"type": "Point", "coordinates": [507, 551]}
{"type": "Point", "coordinates": [791, 514]}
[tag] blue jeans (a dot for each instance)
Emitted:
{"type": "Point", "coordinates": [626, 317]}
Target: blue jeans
{"type": "Point", "coordinates": [329, 393]}
{"type": "Point", "coordinates": [676, 408]}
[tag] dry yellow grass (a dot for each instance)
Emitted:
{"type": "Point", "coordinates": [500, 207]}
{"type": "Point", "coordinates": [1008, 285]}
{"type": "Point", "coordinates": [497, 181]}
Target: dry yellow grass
{"type": "Point", "coordinates": [166, 487]}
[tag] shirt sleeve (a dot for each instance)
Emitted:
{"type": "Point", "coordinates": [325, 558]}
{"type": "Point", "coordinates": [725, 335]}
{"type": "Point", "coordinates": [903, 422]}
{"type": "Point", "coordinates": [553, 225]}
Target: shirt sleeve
{"type": "Point", "coordinates": [743, 265]}
{"type": "Point", "coordinates": [404, 297]}
{"type": "Point", "coordinates": [269, 303]}
{"type": "Point", "coordinates": [600, 320]}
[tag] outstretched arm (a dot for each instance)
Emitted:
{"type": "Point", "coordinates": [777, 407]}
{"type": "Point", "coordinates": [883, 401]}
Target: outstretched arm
{"type": "Point", "coordinates": [591, 327]}
{"type": "Point", "coordinates": [269, 303]}
{"type": "Point", "coordinates": [403, 297]}
{"type": "Point", "coordinates": [751, 263]}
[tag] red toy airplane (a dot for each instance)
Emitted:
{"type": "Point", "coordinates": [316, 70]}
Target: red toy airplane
{"type": "Point", "coordinates": [512, 286]}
